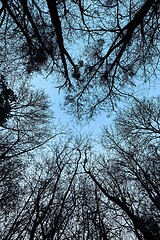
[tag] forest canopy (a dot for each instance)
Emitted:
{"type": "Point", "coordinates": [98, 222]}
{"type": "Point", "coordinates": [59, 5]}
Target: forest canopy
{"type": "Point", "coordinates": [117, 42]}
{"type": "Point", "coordinates": [59, 185]}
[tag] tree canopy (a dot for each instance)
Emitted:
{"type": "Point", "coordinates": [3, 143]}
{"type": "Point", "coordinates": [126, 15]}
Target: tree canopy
{"type": "Point", "coordinates": [59, 185]}
{"type": "Point", "coordinates": [116, 43]}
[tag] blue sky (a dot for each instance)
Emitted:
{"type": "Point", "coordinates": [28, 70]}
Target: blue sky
{"type": "Point", "coordinates": [93, 127]}
{"type": "Point", "coordinates": [57, 99]}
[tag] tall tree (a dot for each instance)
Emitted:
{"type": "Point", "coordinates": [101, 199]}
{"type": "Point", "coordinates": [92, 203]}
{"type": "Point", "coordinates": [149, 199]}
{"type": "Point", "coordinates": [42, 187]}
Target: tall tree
{"type": "Point", "coordinates": [26, 127]}
{"type": "Point", "coordinates": [48, 204]}
{"type": "Point", "coordinates": [128, 175]}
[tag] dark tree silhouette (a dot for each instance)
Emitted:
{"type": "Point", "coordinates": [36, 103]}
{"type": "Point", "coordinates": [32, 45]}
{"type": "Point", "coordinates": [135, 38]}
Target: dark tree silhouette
{"type": "Point", "coordinates": [128, 175]}
{"type": "Point", "coordinates": [25, 129]}
{"type": "Point", "coordinates": [7, 96]}
{"type": "Point", "coordinates": [50, 198]}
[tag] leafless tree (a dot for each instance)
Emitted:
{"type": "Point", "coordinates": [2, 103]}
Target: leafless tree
{"type": "Point", "coordinates": [128, 174]}
{"type": "Point", "coordinates": [50, 195]}
{"type": "Point", "coordinates": [26, 128]}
